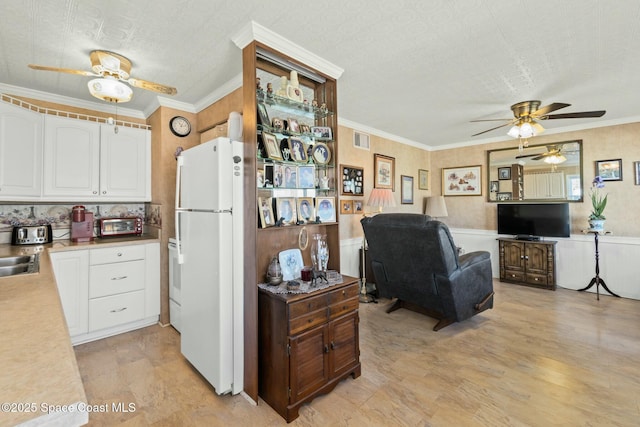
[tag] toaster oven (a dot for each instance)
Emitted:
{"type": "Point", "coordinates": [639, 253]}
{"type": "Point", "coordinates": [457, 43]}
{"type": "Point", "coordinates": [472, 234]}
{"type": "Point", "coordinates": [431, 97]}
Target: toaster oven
{"type": "Point", "coordinates": [120, 226]}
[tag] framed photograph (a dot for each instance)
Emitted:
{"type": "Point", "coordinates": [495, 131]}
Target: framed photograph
{"type": "Point", "coordinates": [423, 179]}
{"type": "Point", "coordinates": [265, 208]}
{"type": "Point", "coordinates": [494, 186]}
{"type": "Point", "coordinates": [271, 146]}
{"type": "Point", "coordinates": [306, 212]}
{"type": "Point", "coordinates": [306, 177]}
{"type": "Point", "coordinates": [277, 124]}
{"type": "Point", "coordinates": [297, 150]}
{"type": "Point", "coordinates": [352, 180]}
{"type": "Point", "coordinates": [463, 181]}
{"type": "Point", "coordinates": [326, 209]}
{"type": "Point", "coordinates": [290, 176]}
{"type": "Point", "coordinates": [346, 206]}
{"type": "Point", "coordinates": [322, 132]}
{"type": "Point", "coordinates": [263, 115]}
{"type": "Point", "coordinates": [358, 207]}
{"type": "Point", "coordinates": [406, 189]}
{"type": "Point", "coordinates": [286, 208]}
{"type": "Point", "coordinates": [504, 173]}
{"type": "Point", "coordinates": [305, 128]}
{"type": "Point", "coordinates": [384, 170]}
{"type": "Point", "coordinates": [260, 178]}
{"type": "Point", "coordinates": [502, 197]}
{"type": "Point", "coordinates": [609, 170]}
{"type": "Point", "coordinates": [320, 153]}
{"type": "Point", "coordinates": [278, 175]}
{"type": "Point", "coordinates": [292, 125]}
{"type": "Point", "coordinates": [636, 169]}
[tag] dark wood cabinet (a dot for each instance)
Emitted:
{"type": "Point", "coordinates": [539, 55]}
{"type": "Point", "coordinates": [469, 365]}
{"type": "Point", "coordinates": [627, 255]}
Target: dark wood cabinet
{"type": "Point", "coordinates": [530, 263]}
{"type": "Point", "coordinates": [307, 344]}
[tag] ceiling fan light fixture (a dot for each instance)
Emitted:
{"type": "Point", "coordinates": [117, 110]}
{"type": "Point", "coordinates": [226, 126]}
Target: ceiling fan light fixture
{"type": "Point", "coordinates": [555, 159]}
{"type": "Point", "coordinates": [514, 132]}
{"type": "Point", "coordinates": [537, 128]}
{"type": "Point", "coordinates": [526, 130]}
{"type": "Point", "coordinates": [110, 90]}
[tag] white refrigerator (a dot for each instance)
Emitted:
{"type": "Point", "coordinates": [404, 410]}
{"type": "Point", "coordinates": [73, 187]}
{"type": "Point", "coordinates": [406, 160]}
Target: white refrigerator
{"type": "Point", "coordinates": [209, 234]}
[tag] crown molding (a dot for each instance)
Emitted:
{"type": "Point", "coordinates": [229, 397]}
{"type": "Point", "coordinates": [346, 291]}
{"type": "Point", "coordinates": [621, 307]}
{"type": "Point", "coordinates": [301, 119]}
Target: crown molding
{"type": "Point", "coordinates": [66, 100]}
{"type": "Point", "coordinates": [373, 131]}
{"type": "Point", "coordinates": [254, 31]}
{"type": "Point", "coordinates": [219, 93]}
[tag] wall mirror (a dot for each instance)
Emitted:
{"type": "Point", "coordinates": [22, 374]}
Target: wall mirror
{"type": "Point", "coordinates": [545, 172]}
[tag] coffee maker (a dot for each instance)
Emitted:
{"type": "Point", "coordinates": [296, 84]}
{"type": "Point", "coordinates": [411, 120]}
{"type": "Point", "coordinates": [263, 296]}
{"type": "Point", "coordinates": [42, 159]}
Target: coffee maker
{"type": "Point", "coordinates": [81, 224]}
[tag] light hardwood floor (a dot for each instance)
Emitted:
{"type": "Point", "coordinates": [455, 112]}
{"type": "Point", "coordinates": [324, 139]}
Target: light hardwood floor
{"type": "Point", "coordinates": [539, 358]}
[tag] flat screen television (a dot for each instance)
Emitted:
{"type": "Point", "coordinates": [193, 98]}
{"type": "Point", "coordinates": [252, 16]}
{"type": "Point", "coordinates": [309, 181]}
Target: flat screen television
{"type": "Point", "coordinates": [530, 221]}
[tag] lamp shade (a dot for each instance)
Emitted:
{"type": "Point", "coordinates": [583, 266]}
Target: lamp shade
{"type": "Point", "coordinates": [436, 208]}
{"type": "Point", "coordinates": [110, 89]}
{"type": "Point", "coordinates": [381, 198]}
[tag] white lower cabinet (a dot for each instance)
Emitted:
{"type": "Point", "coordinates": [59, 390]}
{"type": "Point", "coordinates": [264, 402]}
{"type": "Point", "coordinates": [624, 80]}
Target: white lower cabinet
{"type": "Point", "coordinates": [106, 291]}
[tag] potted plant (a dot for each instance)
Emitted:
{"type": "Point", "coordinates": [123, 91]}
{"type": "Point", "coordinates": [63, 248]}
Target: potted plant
{"type": "Point", "coordinates": [598, 203]}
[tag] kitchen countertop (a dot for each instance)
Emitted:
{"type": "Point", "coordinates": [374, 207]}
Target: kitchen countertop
{"type": "Point", "coordinates": [39, 369]}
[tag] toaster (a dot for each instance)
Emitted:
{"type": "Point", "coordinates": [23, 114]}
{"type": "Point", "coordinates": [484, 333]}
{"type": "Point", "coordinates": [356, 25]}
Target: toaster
{"type": "Point", "coordinates": [31, 234]}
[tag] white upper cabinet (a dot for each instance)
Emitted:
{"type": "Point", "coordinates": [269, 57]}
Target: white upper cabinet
{"type": "Point", "coordinates": [125, 163]}
{"type": "Point", "coordinates": [71, 159]}
{"type": "Point", "coordinates": [20, 153]}
{"type": "Point", "coordinates": [87, 161]}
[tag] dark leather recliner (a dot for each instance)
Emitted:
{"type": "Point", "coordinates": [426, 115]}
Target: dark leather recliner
{"type": "Point", "coordinates": [415, 260]}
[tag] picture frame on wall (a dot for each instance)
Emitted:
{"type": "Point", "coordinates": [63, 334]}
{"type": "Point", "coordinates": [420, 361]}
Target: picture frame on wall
{"type": "Point", "coordinates": [423, 179]}
{"type": "Point", "coordinates": [346, 206]}
{"type": "Point", "coordinates": [358, 207]}
{"type": "Point", "coordinates": [462, 181]}
{"type": "Point", "coordinates": [504, 173]}
{"type": "Point", "coordinates": [609, 170]}
{"type": "Point", "coordinates": [384, 171]}
{"type": "Point", "coordinates": [406, 189]}
{"type": "Point", "coordinates": [352, 180]}
{"type": "Point", "coordinates": [504, 196]}
{"type": "Point", "coordinates": [494, 186]}
{"type": "Point", "coordinates": [636, 169]}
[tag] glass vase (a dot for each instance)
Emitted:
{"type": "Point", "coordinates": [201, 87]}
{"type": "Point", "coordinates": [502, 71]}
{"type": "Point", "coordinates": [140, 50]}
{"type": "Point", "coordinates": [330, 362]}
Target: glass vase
{"type": "Point", "coordinates": [320, 252]}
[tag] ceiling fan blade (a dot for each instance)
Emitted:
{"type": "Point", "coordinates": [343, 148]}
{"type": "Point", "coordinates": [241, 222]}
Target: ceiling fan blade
{"type": "Point", "coordinates": [497, 127]}
{"type": "Point", "coordinates": [549, 108]}
{"type": "Point", "coordinates": [522, 156]}
{"type": "Point", "coordinates": [156, 87]}
{"type": "Point", "coordinates": [581, 115]}
{"type": "Point", "coordinates": [540, 157]}
{"type": "Point", "coordinates": [62, 70]}
{"type": "Point", "coordinates": [490, 120]}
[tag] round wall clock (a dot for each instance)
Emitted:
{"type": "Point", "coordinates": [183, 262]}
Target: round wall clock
{"type": "Point", "coordinates": [180, 126]}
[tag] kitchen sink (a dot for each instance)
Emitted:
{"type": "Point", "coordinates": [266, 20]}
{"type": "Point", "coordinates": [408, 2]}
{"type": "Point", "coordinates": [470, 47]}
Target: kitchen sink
{"type": "Point", "coordinates": [20, 264]}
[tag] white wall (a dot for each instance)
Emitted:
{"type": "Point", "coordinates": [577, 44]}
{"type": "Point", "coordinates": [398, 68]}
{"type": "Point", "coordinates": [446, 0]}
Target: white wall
{"type": "Point", "coordinates": [575, 259]}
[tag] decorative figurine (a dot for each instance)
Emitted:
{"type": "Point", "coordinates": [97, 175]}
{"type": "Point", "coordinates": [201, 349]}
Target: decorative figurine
{"type": "Point", "coordinates": [269, 93]}
{"type": "Point", "coordinates": [259, 89]}
{"type": "Point", "coordinates": [283, 87]}
{"type": "Point", "coordinates": [293, 88]}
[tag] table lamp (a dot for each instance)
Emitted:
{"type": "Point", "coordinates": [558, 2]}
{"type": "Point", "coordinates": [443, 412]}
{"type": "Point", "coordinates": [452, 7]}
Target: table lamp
{"type": "Point", "coordinates": [379, 198]}
{"type": "Point", "coordinates": [436, 208]}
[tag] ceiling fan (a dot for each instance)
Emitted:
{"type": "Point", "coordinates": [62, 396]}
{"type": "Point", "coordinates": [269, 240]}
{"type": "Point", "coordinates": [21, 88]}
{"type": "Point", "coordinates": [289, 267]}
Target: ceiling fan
{"type": "Point", "coordinates": [528, 113]}
{"type": "Point", "coordinates": [111, 69]}
{"type": "Point", "coordinates": [553, 151]}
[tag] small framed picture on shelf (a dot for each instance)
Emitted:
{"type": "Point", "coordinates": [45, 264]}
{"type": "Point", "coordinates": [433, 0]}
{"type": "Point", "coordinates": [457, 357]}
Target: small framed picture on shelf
{"type": "Point", "coordinates": [505, 196]}
{"type": "Point", "coordinates": [305, 128]}
{"type": "Point", "coordinates": [321, 154]}
{"type": "Point", "coordinates": [265, 209]}
{"type": "Point", "coordinates": [306, 177]}
{"type": "Point", "coordinates": [290, 176]}
{"type": "Point", "coordinates": [278, 175]}
{"type": "Point", "coordinates": [609, 170]}
{"type": "Point", "coordinates": [504, 173]}
{"type": "Point", "coordinates": [263, 115]}
{"type": "Point", "coordinates": [326, 209]}
{"type": "Point", "coordinates": [298, 150]}
{"type": "Point", "coordinates": [346, 206]}
{"type": "Point", "coordinates": [286, 208]}
{"type": "Point", "coordinates": [292, 125]}
{"type": "Point", "coordinates": [352, 180]}
{"type": "Point", "coordinates": [306, 212]}
{"type": "Point", "coordinates": [322, 132]}
{"type": "Point", "coordinates": [268, 175]}
{"type": "Point", "coordinates": [277, 124]}
{"type": "Point", "coordinates": [271, 146]}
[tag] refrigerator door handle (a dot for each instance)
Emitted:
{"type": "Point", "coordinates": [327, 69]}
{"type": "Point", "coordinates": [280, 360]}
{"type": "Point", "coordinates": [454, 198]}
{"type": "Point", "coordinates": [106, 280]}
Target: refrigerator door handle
{"type": "Point", "coordinates": [179, 256]}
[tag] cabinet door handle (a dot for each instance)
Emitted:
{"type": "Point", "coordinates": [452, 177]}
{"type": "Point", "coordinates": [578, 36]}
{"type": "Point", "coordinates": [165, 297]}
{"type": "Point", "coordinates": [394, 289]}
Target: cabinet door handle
{"type": "Point", "coordinates": [333, 345]}
{"type": "Point", "coordinates": [118, 310]}
{"type": "Point", "coordinates": [119, 278]}
{"type": "Point", "coordinates": [95, 192]}
{"type": "Point", "coordinates": [521, 256]}
{"type": "Point", "coordinates": [104, 192]}
{"type": "Point", "coordinates": [326, 348]}
{"type": "Point", "coordinates": [119, 254]}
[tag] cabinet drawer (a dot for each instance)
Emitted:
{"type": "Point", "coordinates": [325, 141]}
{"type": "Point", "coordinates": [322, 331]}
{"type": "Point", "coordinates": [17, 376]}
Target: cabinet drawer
{"type": "Point", "coordinates": [514, 275]}
{"type": "Point", "coordinates": [111, 279]}
{"type": "Point", "coordinates": [309, 320]}
{"type": "Point", "coordinates": [116, 254]}
{"type": "Point", "coordinates": [116, 309]}
{"type": "Point", "coordinates": [343, 294]}
{"type": "Point", "coordinates": [537, 279]}
{"type": "Point", "coordinates": [300, 308]}
{"type": "Point", "coordinates": [343, 307]}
